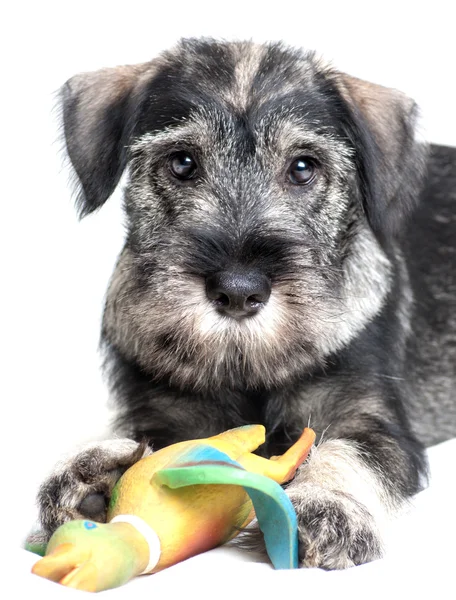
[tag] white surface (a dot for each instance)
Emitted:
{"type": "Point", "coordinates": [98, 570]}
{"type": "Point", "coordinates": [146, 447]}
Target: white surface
{"type": "Point", "coordinates": [419, 563]}
{"type": "Point", "coordinates": [55, 270]}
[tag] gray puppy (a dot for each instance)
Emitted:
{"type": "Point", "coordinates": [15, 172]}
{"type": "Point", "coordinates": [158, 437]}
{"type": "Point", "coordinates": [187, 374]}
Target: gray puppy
{"type": "Point", "coordinates": [286, 262]}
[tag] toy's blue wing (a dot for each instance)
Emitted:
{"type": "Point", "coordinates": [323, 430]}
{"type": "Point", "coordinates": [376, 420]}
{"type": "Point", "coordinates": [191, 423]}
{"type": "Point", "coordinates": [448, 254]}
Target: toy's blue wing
{"type": "Point", "coordinates": [274, 511]}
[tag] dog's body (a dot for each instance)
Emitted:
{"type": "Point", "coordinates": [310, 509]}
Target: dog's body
{"type": "Point", "coordinates": [275, 271]}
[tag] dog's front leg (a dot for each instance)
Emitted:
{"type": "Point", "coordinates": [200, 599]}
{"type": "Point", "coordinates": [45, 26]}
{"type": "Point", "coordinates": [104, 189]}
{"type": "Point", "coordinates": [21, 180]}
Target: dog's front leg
{"type": "Point", "coordinates": [342, 507]}
{"type": "Point", "coordinates": [350, 488]}
{"type": "Point", "coordinates": [81, 486]}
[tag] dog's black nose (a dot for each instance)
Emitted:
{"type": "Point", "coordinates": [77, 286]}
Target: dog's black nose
{"type": "Point", "coordinates": [238, 293]}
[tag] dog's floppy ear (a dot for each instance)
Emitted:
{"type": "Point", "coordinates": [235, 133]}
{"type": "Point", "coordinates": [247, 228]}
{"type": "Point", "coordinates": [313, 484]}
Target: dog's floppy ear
{"type": "Point", "coordinates": [98, 120]}
{"type": "Point", "coordinates": [390, 159]}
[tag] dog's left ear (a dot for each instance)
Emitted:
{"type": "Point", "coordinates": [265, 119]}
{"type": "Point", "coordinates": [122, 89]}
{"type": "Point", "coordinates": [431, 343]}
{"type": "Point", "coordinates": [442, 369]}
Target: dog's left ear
{"type": "Point", "coordinates": [390, 157]}
{"type": "Point", "coordinates": [98, 120]}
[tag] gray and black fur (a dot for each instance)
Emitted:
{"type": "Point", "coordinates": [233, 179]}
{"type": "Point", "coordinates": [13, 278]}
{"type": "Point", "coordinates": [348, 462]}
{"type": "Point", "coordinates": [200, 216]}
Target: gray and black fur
{"type": "Point", "coordinates": [245, 296]}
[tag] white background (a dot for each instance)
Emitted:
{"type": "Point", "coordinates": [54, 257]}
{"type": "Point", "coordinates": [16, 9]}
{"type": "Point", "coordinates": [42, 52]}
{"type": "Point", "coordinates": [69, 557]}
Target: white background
{"type": "Point", "coordinates": [54, 270]}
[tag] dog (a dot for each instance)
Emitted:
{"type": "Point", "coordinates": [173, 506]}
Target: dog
{"type": "Point", "coordinates": [287, 262]}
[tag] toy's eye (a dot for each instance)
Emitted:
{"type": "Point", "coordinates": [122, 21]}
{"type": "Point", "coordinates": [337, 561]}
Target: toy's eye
{"type": "Point", "coordinates": [302, 171]}
{"type": "Point", "coordinates": [182, 165]}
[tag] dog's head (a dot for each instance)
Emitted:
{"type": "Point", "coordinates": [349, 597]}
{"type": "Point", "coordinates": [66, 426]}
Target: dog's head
{"type": "Point", "coordinates": [264, 192]}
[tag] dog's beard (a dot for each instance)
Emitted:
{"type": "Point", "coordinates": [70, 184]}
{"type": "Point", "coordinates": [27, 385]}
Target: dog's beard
{"type": "Point", "coordinates": [173, 331]}
{"type": "Point", "coordinates": [205, 350]}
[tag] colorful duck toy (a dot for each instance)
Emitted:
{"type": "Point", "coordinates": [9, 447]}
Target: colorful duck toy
{"type": "Point", "coordinates": [182, 500]}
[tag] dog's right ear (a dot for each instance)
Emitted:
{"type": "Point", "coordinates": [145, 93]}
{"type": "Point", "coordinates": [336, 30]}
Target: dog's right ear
{"type": "Point", "coordinates": [98, 121]}
{"type": "Point", "coordinates": [391, 156]}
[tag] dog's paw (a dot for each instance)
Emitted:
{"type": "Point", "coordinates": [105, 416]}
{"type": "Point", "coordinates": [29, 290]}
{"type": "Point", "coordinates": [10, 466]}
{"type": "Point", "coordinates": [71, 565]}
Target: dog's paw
{"type": "Point", "coordinates": [81, 486]}
{"type": "Point", "coordinates": [335, 531]}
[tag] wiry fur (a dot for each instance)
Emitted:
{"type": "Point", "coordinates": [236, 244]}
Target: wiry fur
{"type": "Point", "coordinates": [349, 339]}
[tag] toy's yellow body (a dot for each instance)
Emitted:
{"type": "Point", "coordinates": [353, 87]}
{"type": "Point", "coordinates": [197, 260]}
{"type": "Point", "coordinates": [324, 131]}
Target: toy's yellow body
{"type": "Point", "coordinates": [184, 521]}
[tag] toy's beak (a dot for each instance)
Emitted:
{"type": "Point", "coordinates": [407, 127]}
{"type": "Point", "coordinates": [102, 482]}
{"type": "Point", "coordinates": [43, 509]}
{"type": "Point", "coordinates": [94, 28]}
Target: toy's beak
{"type": "Point", "coordinates": [69, 566]}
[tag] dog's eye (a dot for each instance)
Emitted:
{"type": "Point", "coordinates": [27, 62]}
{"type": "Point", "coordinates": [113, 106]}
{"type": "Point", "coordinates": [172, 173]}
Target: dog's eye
{"type": "Point", "coordinates": [182, 165]}
{"type": "Point", "coordinates": [302, 171]}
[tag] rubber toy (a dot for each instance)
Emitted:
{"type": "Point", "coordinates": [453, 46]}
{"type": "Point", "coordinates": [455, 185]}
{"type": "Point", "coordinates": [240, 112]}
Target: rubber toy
{"type": "Point", "coordinates": [178, 502]}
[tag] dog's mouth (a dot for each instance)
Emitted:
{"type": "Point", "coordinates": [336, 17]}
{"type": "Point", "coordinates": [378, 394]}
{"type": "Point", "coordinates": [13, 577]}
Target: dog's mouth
{"type": "Point", "coordinates": [238, 311]}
